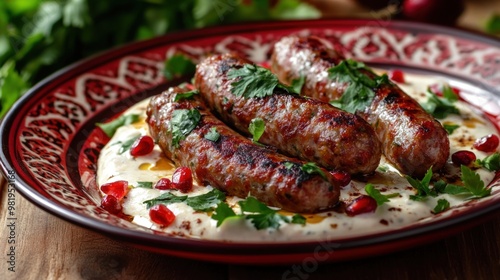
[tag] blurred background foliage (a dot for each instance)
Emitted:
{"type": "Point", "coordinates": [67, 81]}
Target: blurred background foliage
{"type": "Point", "coordinates": [39, 37]}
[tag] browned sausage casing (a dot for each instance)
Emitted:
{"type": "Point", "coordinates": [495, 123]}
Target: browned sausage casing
{"type": "Point", "coordinates": [411, 138]}
{"type": "Point", "coordinates": [234, 164]}
{"type": "Point", "coordinates": [297, 126]}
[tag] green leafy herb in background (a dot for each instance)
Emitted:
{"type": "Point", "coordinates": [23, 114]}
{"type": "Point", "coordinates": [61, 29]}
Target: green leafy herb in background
{"type": "Point", "coordinates": [493, 24]}
{"type": "Point", "coordinates": [178, 65]}
{"type": "Point", "coordinates": [40, 37]}
{"type": "Point", "coordinates": [185, 95]}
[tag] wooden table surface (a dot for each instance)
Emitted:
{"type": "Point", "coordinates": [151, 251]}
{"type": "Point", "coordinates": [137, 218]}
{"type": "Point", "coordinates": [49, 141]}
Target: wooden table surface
{"type": "Point", "coordinates": [47, 247]}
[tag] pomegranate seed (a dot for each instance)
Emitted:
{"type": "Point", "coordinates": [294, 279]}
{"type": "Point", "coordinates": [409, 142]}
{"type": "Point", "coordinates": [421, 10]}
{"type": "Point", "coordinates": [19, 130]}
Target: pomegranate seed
{"type": "Point", "coordinates": [118, 189]}
{"type": "Point", "coordinates": [488, 143]}
{"type": "Point", "coordinates": [161, 215]}
{"type": "Point", "coordinates": [183, 179]}
{"type": "Point", "coordinates": [397, 75]}
{"type": "Point", "coordinates": [142, 146]}
{"type": "Point", "coordinates": [164, 184]}
{"type": "Point", "coordinates": [111, 204]}
{"type": "Point", "coordinates": [342, 177]}
{"type": "Point", "coordinates": [360, 205]}
{"type": "Point", "coordinates": [463, 157]}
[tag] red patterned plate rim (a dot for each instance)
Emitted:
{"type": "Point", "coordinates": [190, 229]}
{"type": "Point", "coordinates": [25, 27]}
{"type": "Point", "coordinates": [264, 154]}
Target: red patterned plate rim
{"type": "Point", "coordinates": [63, 107]}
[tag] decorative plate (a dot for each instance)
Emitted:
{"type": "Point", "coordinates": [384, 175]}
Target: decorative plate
{"type": "Point", "coordinates": [50, 145]}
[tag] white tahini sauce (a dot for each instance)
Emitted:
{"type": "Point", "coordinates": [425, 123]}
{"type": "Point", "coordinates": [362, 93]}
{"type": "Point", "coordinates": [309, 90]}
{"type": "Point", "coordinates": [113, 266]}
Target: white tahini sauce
{"type": "Point", "coordinates": [398, 213]}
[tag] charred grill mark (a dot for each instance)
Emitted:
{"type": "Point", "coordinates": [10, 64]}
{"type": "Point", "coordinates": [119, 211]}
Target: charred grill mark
{"type": "Point", "coordinates": [391, 98]}
{"type": "Point", "coordinates": [247, 155]}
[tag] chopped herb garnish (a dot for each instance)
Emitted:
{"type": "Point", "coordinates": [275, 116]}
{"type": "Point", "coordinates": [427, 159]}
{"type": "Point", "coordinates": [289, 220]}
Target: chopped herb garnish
{"type": "Point", "coordinates": [204, 202]}
{"type": "Point", "coordinates": [312, 168]}
{"type": "Point", "coordinates": [442, 205]}
{"type": "Point", "coordinates": [298, 83]}
{"type": "Point", "coordinates": [212, 134]}
{"type": "Point", "coordinates": [473, 185]}
{"type": "Point", "coordinates": [450, 128]}
{"type": "Point", "coordinates": [423, 186]}
{"type": "Point", "coordinates": [360, 90]}
{"type": "Point", "coordinates": [185, 95]}
{"type": "Point", "coordinates": [253, 81]}
{"type": "Point", "coordinates": [441, 107]}
{"type": "Point", "coordinates": [222, 212]}
{"type": "Point", "coordinates": [127, 144]}
{"type": "Point", "coordinates": [288, 164]}
{"type": "Point", "coordinates": [110, 127]}
{"type": "Point", "coordinates": [375, 194]}
{"type": "Point", "coordinates": [491, 162]}
{"type": "Point", "coordinates": [182, 123]}
{"type": "Point", "coordinates": [178, 65]}
{"type": "Point", "coordinates": [145, 185]}
{"type": "Point", "coordinates": [256, 128]}
{"type": "Point", "coordinates": [260, 215]}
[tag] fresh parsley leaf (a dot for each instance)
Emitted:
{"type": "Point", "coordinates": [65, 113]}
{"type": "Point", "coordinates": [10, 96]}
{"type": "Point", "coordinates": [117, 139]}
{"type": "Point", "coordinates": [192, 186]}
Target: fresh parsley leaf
{"type": "Point", "coordinates": [207, 201]}
{"type": "Point", "coordinates": [312, 168]}
{"type": "Point", "coordinates": [178, 65]}
{"type": "Point", "coordinates": [473, 185]}
{"type": "Point", "coordinates": [145, 185]}
{"type": "Point", "coordinates": [110, 127]}
{"type": "Point", "coordinates": [212, 135]}
{"type": "Point", "coordinates": [288, 164]}
{"type": "Point", "coordinates": [165, 198]}
{"type": "Point", "coordinates": [222, 212]}
{"type": "Point", "coordinates": [182, 123]}
{"type": "Point", "coordinates": [298, 83]}
{"type": "Point", "coordinates": [252, 81]}
{"type": "Point", "coordinates": [450, 127]}
{"type": "Point", "coordinates": [491, 162]}
{"type": "Point", "coordinates": [298, 219]}
{"type": "Point", "coordinates": [127, 144]}
{"type": "Point", "coordinates": [359, 92]}
{"type": "Point", "coordinates": [493, 24]}
{"type": "Point", "coordinates": [203, 202]}
{"type": "Point", "coordinates": [185, 95]}
{"type": "Point", "coordinates": [375, 194]}
{"type": "Point", "coordinates": [422, 186]}
{"type": "Point", "coordinates": [442, 205]}
{"type": "Point", "coordinates": [256, 128]}
{"type": "Point", "coordinates": [441, 107]}
{"type": "Point", "coordinates": [262, 217]}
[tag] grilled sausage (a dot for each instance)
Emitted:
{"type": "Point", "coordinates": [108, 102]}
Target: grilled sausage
{"type": "Point", "coordinates": [234, 164]}
{"type": "Point", "coordinates": [412, 140]}
{"type": "Point", "coordinates": [297, 126]}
